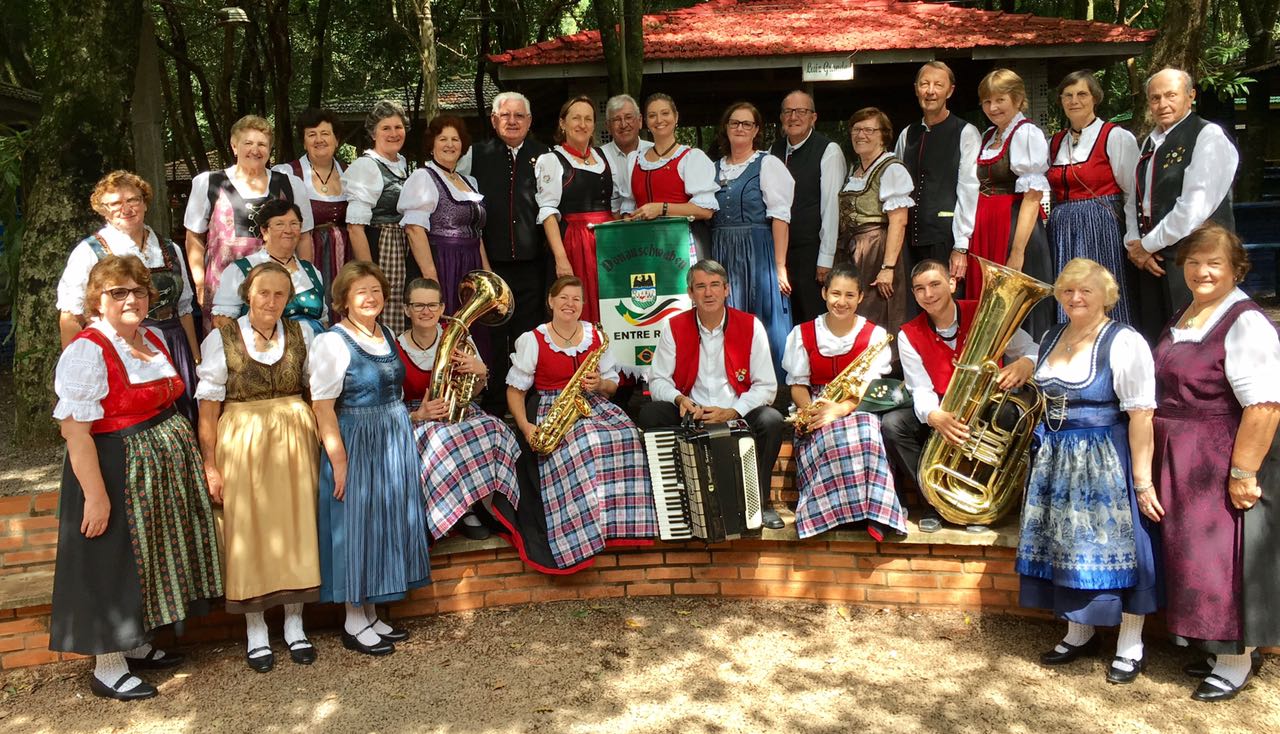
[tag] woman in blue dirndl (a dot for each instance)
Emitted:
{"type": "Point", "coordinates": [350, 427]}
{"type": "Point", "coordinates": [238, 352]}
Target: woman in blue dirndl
{"type": "Point", "coordinates": [1085, 551]}
{"type": "Point", "coordinates": [372, 526]}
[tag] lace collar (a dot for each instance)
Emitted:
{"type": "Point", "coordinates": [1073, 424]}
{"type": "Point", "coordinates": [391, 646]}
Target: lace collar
{"type": "Point", "coordinates": [588, 336]}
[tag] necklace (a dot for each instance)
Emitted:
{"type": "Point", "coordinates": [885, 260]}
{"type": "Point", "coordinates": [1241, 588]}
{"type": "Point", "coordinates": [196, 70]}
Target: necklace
{"type": "Point", "coordinates": [324, 180]}
{"type": "Point", "coordinates": [667, 152]}
{"type": "Point", "coordinates": [268, 340]}
{"type": "Point", "coordinates": [367, 334]}
{"type": "Point", "coordinates": [421, 348]}
{"type": "Point", "coordinates": [1070, 347]}
{"type": "Point", "coordinates": [568, 341]}
{"type": "Point", "coordinates": [285, 262]}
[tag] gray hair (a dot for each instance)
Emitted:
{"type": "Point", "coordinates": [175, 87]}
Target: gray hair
{"type": "Point", "coordinates": [783, 104]}
{"type": "Point", "coordinates": [505, 97]}
{"type": "Point", "coordinates": [382, 109]}
{"type": "Point", "coordinates": [708, 267]}
{"type": "Point", "coordinates": [617, 102]}
{"type": "Point", "coordinates": [1188, 84]}
{"type": "Point", "coordinates": [940, 66]}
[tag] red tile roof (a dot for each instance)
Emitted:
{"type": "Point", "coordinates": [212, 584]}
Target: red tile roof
{"type": "Point", "coordinates": [736, 28]}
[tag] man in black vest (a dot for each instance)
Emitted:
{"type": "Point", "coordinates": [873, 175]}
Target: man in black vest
{"type": "Point", "coordinates": [818, 166]}
{"type": "Point", "coordinates": [941, 153]}
{"type": "Point", "coordinates": [1185, 171]}
{"type": "Point", "coordinates": [517, 248]}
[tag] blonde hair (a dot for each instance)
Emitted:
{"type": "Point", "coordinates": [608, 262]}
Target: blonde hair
{"type": "Point", "coordinates": [349, 274]}
{"type": "Point", "coordinates": [1003, 81]}
{"type": "Point", "coordinates": [251, 122]}
{"type": "Point", "coordinates": [112, 183]}
{"type": "Point", "coordinates": [1081, 269]}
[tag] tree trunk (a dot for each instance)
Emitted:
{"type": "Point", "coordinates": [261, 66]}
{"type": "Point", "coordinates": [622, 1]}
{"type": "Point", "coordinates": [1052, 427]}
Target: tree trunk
{"type": "Point", "coordinates": [280, 53]}
{"type": "Point", "coordinates": [83, 132]}
{"type": "Point", "coordinates": [319, 54]}
{"type": "Point", "coordinates": [482, 60]}
{"type": "Point", "coordinates": [427, 56]}
{"type": "Point", "coordinates": [1259, 20]}
{"type": "Point", "coordinates": [148, 126]}
{"type": "Point", "coordinates": [624, 58]}
{"type": "Point", "coordinates": [184, 71]}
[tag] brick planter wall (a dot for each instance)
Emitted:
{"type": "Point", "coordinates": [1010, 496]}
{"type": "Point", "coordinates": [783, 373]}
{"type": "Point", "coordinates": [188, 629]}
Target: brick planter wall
{"type": "Point", "coordinates": [28, 532]}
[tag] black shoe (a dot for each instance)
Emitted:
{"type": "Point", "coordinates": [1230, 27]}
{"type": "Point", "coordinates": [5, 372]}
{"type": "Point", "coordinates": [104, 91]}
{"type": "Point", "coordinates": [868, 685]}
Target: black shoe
{"type": "Point", "coordinates": [772, 521]}
{"type": "Point", "coordinates": [302, 652]}
{"type": "Point", "coordinates": [1203, 668]}
{"type": "Point", "coordinates": [156, 660]}
{"type": "Point", "coordinates": [383, 647]}
{"type": "Point", "coordinates": [137, 693]}
{"type": "Point", "coordinates": [1210, 692]}
{"type": "Point", "coordinates": [261, 663]}
{"type": "Point", "coordinates": [1120, 676]}
{"type": "Point", "coordinates": [397, 634]}
{"type": "Point", "coordinates": [1053, 657]}
{"type": "Point", "coordinates": [474, 532]}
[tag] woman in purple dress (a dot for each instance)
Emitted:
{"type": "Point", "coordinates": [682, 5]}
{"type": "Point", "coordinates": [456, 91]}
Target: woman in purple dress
{"type": "Point", "coordinates": [1218, 404]}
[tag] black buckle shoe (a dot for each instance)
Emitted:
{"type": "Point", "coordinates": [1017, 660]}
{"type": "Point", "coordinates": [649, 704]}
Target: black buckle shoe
{"type": "Point", "coordinates": [1120, 676]}
{"type": "Point", "coordinates": [383, 647]}
{"type": "Point", "coordinates": [772, 520]}
{"type": "Point", "coordinates": [302, 652]}
{"type": "Point", "coordinates": [261, 663]}
{"type": "Point", "coordinates": [397, 634]}
{"type": "Point", "coordinates": [474, 532]}
{"type": "Point", "coordinates": [1053, 657]}
{"type": "Point", "coordinates": [1211, 693]}
{"type": "Point", "coordinates": [137, 693]}
{"type": "Point", "coordinates": [155, 660]}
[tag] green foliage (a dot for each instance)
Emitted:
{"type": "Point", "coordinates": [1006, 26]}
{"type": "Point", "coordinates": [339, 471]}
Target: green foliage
{"type": "Point", "coordinates": [13, 145]}
{"type": "Point", "coordinates": [1221, 71]}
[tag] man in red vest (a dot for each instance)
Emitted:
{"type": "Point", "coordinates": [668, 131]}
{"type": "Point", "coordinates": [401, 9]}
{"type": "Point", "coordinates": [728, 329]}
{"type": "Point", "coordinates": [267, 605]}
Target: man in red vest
{"type": "Point", "coordinates": [713, 363]}
{"type": "Point", "coordinates": [927, 346]}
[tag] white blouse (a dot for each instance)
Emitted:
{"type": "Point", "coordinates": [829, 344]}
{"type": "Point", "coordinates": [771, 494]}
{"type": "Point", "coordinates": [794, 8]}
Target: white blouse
{"type": "Point", "coordinates": [80, 379]}
{"type": "Point", "coordinates": [75, 277]}
{"type": "Point", "coordinates": [424, 359]}
{"type": "Point", "coordinates": [525, 360]}
{"type": "Point", "coordinates": [363, 183]}
{"type": "Point", "coordinates": [306, 179]}
{"type": "Point", "coordinates": [330, 358]}
{"type": "Point", "coordinates": [795, 358]}
{"type": "Point", "coordinates": [196, 218]}
{"type": "Point", "coordinates": [550, 175]}
{"type": "Point", "coordinates": [420, 195]}
{"type": "Point", "coordinates": [1253, 352]}
{"type": "Point", "coordinates": [777, 185]}
{"type": "Point", "coordinates": [695, 169]}
{"type": "Point", "coordinates": [1122, 153]}
{"type": "Point", "coordinates": [226, 300]}
{"type": "Point", "coordinates": [1028, 155]}
{"type": "Point", "coordinates": [895, 183]}
{"type": "Point", "coordinates": [212, 369]}
{"type": "Point", "coordinates": [1133, 370]}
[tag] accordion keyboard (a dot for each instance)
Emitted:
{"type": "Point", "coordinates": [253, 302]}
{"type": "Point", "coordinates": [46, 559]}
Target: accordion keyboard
{"type": "Point", "coordinates": [668, 488]}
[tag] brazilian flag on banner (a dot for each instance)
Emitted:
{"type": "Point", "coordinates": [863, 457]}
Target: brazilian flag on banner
{"type": "Point", "coordinates": [642, 267]}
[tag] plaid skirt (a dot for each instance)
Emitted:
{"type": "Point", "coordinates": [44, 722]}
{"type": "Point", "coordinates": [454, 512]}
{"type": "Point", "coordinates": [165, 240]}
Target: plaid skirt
{"type": "Point", "coordinates": [389, 248]}
{"type": "Point", "coordinates": [595, 485]}
{"type": "Point", "coordinates": [464, 462]}
{"type": "Point", "coordinates": [842, 473]}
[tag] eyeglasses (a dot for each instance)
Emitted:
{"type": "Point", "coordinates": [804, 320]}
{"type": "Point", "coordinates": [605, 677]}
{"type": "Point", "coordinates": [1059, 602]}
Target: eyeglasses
{"type": "Point", "coordinates": [864, 132]}
{"type": "Point", "coordinates": [133, 202]}
{"type": "Point", "coordinates": [797, 112]}
{"type": "Point", "coordinates": [517, 116]}
{"type": "Point", "coordinates": [740, 124]}
{"type": "Point", "coordinates": [284, 224]}
{"type": "Point", "coordinates": [119, 294]}
{"type": "Point", "coordinates": [420, 307]}
{"type": "Point", "coordinates": [624, 118]}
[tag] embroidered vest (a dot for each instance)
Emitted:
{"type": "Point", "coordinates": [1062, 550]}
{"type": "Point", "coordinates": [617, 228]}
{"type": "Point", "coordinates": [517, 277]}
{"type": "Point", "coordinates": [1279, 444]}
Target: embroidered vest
{"type": "Point", "coordinates": [249, 379]}
{"type": "Point", "coordinates": [585, 191]}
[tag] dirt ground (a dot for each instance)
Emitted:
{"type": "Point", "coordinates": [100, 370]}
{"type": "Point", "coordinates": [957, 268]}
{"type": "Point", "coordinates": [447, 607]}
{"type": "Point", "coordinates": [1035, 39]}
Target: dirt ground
{"type": "Point", "coordinates": [663, 665]}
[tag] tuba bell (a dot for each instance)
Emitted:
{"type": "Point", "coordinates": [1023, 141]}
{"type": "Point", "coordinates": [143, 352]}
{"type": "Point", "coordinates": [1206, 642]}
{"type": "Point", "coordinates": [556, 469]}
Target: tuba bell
{"type": "Point", "coordinates": [486, 299]}
{"type": "Point", "coordinates": [977, 483]}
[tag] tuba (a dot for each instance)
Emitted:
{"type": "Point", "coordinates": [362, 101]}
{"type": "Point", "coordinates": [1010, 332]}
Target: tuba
{"type": "Point", "coordinates": [486, 299]}
{"type": "Point", "coordinates": [570, 405]}
{"type": "Point", "coordinates": [850, 384]}
{"type": "Point", "coordinates": [975, 484]}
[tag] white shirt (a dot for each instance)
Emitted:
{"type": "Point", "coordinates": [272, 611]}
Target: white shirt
{"type": "Point", "coordinates": [966, 182]}
{"type": "Point", "coordinates": [1028, 155]}
{"type": "Point", "coordinates": [795, 358]}
{"type": "Point", "coordinates": [895, 183]}
{"type": "Point", "coordinates": [695, 169]}
{"type": "Point", "coordinates": [420, 195]}
{"type": "Point", "coordinates": [524, 363]}
{"type": "Point", "coordinates": [917, 380]}
{"type": "Point", "coordinates": [212, 369]}
{"type": "Point", "coordinates": [1205, 183]}
{"type": "Point", "coordinates": [776, 184]}
{"type": "Point", "coordinates": [80, 379]}
{"type": "Point", "coordinates": [330, 358]}
{"type": "Point", "coordinates": [711, 388]}
{"type": "Point", "coordinates": [226, 300]}
{"type": "Point", "coordinates": [833, 170]}
{"type": "Point", "coordinates": [1253, 352]}
{"type": "Point", "coordinates": [363, 183]}
{"type": "Point", "coordinates": [287, 169]}
{"type": "Point", "coordinates": [618, 164]}
{"type": "Point", "coordinates": [196, 218]}
{"type": "Point", "coordinates": [549, 173]}
{"type": "Point", "coordinates": [75, 277]}
{"type": "Point", "coordinates": [1133, 370]}
{"type": "Point", "coordinates": [1122, 153]}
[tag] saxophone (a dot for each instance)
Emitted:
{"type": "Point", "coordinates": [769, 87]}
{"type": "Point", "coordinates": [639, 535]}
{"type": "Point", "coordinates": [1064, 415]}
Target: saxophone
{"type": "Point", "coordinates": [570, 405]}
{"type": "Point", "coordinates": [975, 484]}
{"type": "Point", "coordinates": [850, 384]}
{"type": "Point", "coordinates": [485, 299]}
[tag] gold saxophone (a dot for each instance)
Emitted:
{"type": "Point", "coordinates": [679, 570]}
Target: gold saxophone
{"type": "Point", "coordinates": [570, 405]}
{"type": "Point", "coordinates": [485, 299]}
{"type": "Point", "coordinates": [850, 384]}
{"type": "Point", "coordinates": [977, 483]}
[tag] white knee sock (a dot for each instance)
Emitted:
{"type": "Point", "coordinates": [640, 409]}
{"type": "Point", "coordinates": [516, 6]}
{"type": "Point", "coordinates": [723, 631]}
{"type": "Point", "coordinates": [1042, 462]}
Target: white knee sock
{"type": "Point", "coordinates": [1129, 643]}
{"type": "Point", "coordinates": [1234, 668]}
{"type": "Point", "coordinates": [110, 666]}
{"type": "Point", "coordinates": [256, 627]}
{"type": "Point", "coordinates": [293, 631]}
{"type": "Point", "coordinates": [357, 624]}
{"type": "Point", "coordinates": [1077, 635]}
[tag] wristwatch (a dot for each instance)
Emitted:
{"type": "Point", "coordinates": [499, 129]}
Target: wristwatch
{"type": "Point", "coordinates": [1238, 473]}
{"type": "Point", "coordinates": [888, 267]}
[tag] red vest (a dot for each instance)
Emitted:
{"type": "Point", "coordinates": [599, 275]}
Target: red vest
{"type": "Point", "coordinates": [556, 368]}
{"type": "Point", "coordinates": [823, 369]}
{"type": "Point", "coordinates": [662, 184]}
{"type": "Point", "coordinates": [934, 352]}
{"type": "Point", "coordinates": [1088, 180]}
{"type": "Point", "coordinates": [127, 404]}
{"type": "Point", "coordinates": [417, 381]}
{"type": "Point", "coordinates": [739, 329]}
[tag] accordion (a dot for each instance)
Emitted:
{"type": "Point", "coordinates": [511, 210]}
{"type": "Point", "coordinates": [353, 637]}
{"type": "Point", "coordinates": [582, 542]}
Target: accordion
{"type": "Point", "coordinates": [705, 482]}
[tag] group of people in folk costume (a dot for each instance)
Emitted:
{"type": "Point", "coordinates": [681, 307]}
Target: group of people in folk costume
{"type": "Point", "coordinates": [279, 462]}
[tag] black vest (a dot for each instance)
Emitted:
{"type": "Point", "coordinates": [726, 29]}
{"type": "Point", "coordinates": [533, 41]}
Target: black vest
{"type": "Point", "coordinates": [511, 230]}
{"type": "Point", "coordinates": [805, 165]}
{"type": "Point", "coordinates": [1174, 155]}
{"type": "Point", "coordinates": [585, 191]}
{"type": "Point", "coordinates": [932, 157]}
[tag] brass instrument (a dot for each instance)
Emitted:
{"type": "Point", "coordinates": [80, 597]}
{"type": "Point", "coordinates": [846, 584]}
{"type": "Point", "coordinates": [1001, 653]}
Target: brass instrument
{"type": "Point", "coordinates": [975, 484]}
{"type": "Point", "coordinates": [570, 405]}
{"type": "Point", "coordinates": [850, 384]}
{"type": "Point", "coordinates": [485, 299]}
